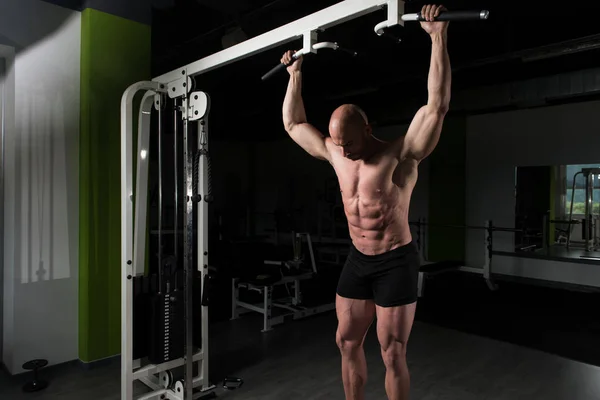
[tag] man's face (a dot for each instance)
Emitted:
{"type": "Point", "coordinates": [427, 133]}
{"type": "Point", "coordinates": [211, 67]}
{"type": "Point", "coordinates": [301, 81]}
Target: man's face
{"type": "Point", "coordinates": [351, 144]}
{"type": "Point", "coordinates": [349, 131]}
{"type": "Point", "coordinates": [350, 138]}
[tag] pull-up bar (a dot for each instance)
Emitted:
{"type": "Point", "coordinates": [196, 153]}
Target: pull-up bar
{"type": "Point", "coordinates": [307, 29]}
{"type": "Point", "coordinates": [468, 15]}
{"type": "Point", "coordinates": [380, 28]}
{"type": "Point", "coordinates": [296, 55]}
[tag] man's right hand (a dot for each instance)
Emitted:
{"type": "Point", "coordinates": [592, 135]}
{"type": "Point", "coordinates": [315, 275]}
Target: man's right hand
{"type": "Point", "coordinates": [287, 58]}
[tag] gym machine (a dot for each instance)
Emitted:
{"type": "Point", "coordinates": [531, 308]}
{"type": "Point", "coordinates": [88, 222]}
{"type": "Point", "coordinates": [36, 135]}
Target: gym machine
{"type": "Point", "coordinates": [589, 223]}
{"type": "Point", "coordinates": [287, 272]}
{"type": "Point", "coordinates": [194, 109]}
{"type": "Point", "coordinates": [165, 305]}
{"type": "Point", "coordinates": [430, 269]}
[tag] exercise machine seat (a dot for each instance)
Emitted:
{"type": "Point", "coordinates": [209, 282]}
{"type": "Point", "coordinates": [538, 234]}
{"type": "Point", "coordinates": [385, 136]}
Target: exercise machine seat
{"type": "Point", "coordinates": [440, 266]}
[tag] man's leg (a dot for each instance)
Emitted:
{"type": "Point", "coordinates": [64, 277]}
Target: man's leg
{"type": "Point", "coordinates": [354, 318]}
{"type": "Point", "coordinates": [393, 330]}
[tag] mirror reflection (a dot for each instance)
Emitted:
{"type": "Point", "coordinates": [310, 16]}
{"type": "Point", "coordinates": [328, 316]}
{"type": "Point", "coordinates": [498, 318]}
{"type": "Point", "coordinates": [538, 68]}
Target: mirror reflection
{"type": "Point", "coordinates": [557, 207]}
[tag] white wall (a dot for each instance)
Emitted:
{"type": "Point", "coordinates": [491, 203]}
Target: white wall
{"type": "Point", "coordinates": [41, 182]}
{"type": "Point", "coordinates": [496, 144]}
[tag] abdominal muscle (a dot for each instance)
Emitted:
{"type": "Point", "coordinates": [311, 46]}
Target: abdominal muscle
{"type": "Point", "coordinates": [378, 219]}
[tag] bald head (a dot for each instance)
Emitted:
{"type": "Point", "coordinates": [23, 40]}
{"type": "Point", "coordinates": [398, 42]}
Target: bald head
{"type": "Point", "coordinates": [349, 128]}
{"type": "Point", "coordinates": [348, 116]}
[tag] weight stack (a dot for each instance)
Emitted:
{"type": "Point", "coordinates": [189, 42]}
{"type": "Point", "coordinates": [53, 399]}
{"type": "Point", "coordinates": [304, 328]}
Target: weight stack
{"type": "Point", "coordinates": [167, 331]}
{"type": "Point", "coordinates": [142, 306]}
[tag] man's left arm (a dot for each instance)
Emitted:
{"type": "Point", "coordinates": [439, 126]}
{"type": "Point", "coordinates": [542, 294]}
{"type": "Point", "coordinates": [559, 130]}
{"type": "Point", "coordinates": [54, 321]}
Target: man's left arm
{"type": "Point", "coordinates": [424, 131]}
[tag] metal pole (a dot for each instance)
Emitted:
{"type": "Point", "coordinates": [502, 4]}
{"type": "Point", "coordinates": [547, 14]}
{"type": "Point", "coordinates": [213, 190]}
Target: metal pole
{"type": "Point", "coordinates": [203, 185]}
{"type": "Point", "coordinates": [545, 232]}
{"type": "Point", "coordinates": [129, 264]}
{"type": "Point", "coordinates": [176, 227]}
{"type": "Point", "coordinates": [160, 202]}
{"type": "Point", "coordinates": [594, 217]}
{"type": "Point", "coordinates": [188, 263]}
{"type": "Point", "coordinates": [588, 211]}
{"type": "Point", "coordinates": [571, 208]}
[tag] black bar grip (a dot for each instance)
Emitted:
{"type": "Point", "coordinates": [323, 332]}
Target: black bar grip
{"type": "Point", "coordinates": [348, 51]}
{"type": "Point", "coordinates": [274, 71]}
{"type": "Point", "coordinates": [468, 15]}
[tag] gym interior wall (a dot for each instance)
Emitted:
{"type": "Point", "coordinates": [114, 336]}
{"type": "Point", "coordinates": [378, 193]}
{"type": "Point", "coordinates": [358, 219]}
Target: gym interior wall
{"type": "Point", "coordinates": [61, 207]}
{"type": "Point", "coordinates": [499, 142]}
{"type": "Point", "coordinates": [40, 182]}
{"type": "Point", "coordinates": [115, 52]}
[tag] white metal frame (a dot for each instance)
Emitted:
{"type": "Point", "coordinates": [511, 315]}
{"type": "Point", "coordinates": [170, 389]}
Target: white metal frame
{"type": "Point", "coordinates": [178, 83]}
{"type": "Point", "coordinates": [305, 28]}
{"type": "Point", "coordinates": [133, 246]}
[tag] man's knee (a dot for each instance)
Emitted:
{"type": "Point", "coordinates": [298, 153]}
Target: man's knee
{"type": "Point", "coordinates": [393, 353]}
{"type": "Point", "coordinates": [346, 344]}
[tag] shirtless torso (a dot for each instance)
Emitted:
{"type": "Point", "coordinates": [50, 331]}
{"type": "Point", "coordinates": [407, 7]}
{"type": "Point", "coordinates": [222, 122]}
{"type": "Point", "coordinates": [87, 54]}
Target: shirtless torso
{"type": "Point", "coordinates": [376, 195]}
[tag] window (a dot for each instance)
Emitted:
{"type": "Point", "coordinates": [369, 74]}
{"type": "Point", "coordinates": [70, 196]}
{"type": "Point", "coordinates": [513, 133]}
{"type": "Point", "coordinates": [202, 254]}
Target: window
{"type": "Point", "coordinates": [574, 172]}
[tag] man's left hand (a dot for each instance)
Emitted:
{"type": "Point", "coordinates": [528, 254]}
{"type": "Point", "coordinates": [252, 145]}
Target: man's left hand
{"type": "Point", "coordinates": [429, 12]}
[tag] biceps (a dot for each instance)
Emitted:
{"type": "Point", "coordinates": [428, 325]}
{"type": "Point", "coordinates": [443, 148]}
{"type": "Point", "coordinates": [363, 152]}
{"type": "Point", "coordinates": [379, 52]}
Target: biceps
{"type": "Point", "coordinates": [310, 139]}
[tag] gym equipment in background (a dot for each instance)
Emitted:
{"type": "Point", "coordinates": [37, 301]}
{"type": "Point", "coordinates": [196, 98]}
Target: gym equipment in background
{"type": "Point", "coordinates": [276, 310]}
{"type": "Point", "coordinates": [589, 222]}
{"type": "Point", "coordinates": [430, 269]}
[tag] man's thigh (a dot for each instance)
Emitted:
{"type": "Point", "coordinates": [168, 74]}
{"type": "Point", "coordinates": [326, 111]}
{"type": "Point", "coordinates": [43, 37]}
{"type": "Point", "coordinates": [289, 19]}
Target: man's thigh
{"type": "Point", "coordinates": [394, 324]}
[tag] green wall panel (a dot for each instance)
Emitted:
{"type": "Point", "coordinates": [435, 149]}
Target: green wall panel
{"type": "Point", "coordinates": [115, 52]}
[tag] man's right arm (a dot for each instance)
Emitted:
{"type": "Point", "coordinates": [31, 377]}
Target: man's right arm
{"type": "Point", "coordinates": [294, 118]}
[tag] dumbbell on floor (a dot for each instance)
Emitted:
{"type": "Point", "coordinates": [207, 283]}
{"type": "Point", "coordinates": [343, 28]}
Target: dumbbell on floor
{"type": "Point", "coordinates": [36, 384]}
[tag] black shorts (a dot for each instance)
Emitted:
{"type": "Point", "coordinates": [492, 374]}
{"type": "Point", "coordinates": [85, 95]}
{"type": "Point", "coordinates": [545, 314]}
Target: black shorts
{"type": "Point", "coordinates": [390, 279]}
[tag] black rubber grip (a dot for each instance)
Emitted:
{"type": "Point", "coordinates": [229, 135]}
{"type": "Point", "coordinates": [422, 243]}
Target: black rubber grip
{"type": "Point", "coordinates": [348, 51]}
{"type": "Point", "coordinates": [469, 15]}
{"type": "Point", "coordinates": [273, 71]}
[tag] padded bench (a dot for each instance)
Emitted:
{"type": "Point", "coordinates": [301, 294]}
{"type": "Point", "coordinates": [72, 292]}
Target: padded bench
{"type": "Point", "coordinates": [435, 268]}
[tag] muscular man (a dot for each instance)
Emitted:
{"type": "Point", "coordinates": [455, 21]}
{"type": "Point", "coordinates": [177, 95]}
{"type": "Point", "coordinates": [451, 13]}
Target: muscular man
{"type": "Point", "coordinates": [376, 179]}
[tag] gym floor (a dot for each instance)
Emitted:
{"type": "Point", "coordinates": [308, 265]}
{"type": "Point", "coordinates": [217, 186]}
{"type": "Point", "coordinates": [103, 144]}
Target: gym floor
{"type": "Point", "coordinates": [523, 341]}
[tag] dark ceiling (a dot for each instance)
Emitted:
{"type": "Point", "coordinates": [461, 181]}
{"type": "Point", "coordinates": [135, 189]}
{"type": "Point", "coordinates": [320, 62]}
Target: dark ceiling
{"type": "Point", "coordinates": [386, 75]}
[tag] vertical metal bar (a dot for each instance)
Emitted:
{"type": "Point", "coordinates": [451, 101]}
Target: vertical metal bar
{"type": "Point", "coordinates": [234, 297]}
{"type": "Point", "coordinates": [127, 259]}
{"type": "Point", "coordinates": [160, 201]}
{"type": "Point", "coordinates": [297, 294]}
{"type": "Point", "coordinates": [588, 210]}
{"type": "Point", "coordinates": [594, 218]}
{"type": "Point", "coordinates": [266, 309]}
{"type": "Point", "coordinates": [203, 237]}
{"type": "Point", "coordinates": [489, 247]}
{"type": "Point", "coordinates": [571, 208]}
{"type": "Point", "coordinates": [488, 250]}
{"type": "Point", "coordinates": [3, 75]}
{"type": "Point", "coordinates": [311, 252]}
{"type": "Point", "coordinates": [175, 140]}
{"type": "Point", "coordinates": [141, 189]}
{"type": "Point", "coordinates": [188, 255]}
